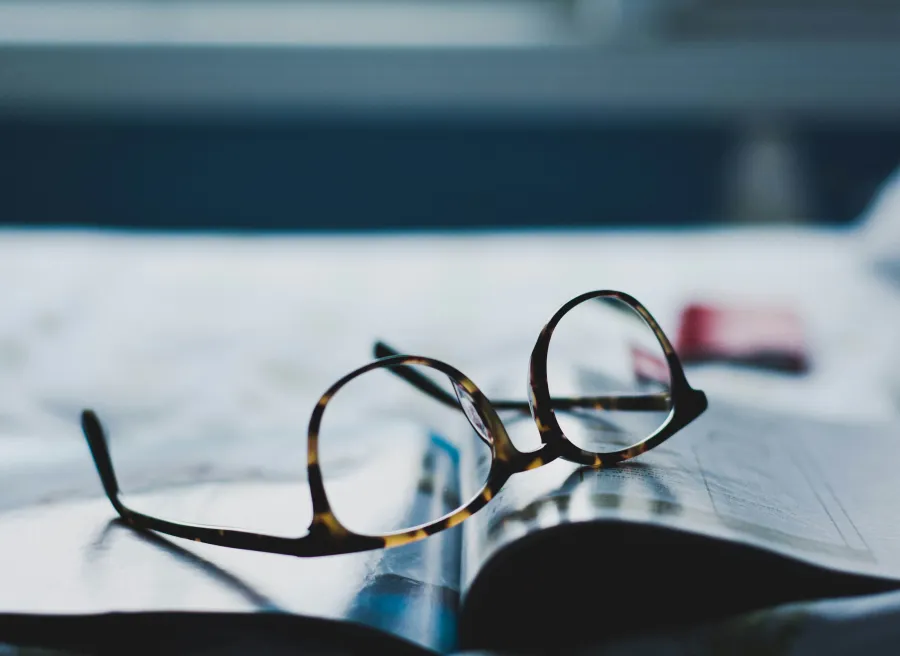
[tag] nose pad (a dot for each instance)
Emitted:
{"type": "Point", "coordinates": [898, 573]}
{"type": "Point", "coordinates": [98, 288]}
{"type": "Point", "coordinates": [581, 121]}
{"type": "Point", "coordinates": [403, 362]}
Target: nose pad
{"type": "Point", "coordinates": [467, 403]}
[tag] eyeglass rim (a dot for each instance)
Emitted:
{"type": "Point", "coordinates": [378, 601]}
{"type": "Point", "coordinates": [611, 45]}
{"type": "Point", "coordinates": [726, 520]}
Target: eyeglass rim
{"type": "Point", "coordinates": [503, 455]}
{"type": "Point", "coordinates": [687, 403]}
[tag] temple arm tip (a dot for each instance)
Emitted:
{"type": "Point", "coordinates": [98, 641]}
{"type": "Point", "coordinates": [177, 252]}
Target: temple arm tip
{"type": "Point", "coordinates": [89, 421]}
{"type": "Point", "coordinates": [96, 439]}
{"type": "Point", "coordinates": [382, 350]}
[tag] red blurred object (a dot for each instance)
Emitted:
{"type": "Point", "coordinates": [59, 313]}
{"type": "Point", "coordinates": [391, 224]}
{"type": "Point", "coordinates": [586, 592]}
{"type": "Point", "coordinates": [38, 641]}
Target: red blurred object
{"type": "Point", "coordinates": [759, 336]}
{"type": "Point", "coordinates": [648, 367]}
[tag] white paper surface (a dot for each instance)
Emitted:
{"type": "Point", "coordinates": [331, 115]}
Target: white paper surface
{"type": "Point", "coordinates": [183, 338]}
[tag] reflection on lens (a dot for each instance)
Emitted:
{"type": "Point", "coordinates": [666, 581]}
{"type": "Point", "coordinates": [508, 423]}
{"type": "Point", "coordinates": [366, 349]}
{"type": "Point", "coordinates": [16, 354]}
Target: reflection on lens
{"type": "Point", "coordinates": [608, 376]}
{"type": "Point", "coordinates": [391, 455]}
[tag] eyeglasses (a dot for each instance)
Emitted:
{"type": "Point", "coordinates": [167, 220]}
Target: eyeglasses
{"type": "Point", "coordinates": [604, 385]}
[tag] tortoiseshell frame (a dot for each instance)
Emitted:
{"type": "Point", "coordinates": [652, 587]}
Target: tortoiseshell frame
{"type": "Point", "coordinates": [328, 536]}
{"type": "Point", "coordinates": [686, 403]}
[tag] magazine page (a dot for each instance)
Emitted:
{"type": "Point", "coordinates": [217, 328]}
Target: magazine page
{"type": "Point", "coordinates": [812, 492]}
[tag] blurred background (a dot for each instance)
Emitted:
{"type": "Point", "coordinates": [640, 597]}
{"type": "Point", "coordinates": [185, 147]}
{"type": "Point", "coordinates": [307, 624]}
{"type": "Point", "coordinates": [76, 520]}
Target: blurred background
{"type": "Point", "coordinates": [443, 114]}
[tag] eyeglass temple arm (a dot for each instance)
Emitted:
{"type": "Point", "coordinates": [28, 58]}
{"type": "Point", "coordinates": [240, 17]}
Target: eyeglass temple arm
{"type": "Point", "coordinates": [645, 402]}
{"type": "Point", "coordinates": [96, 439]}
{"type": "Point", "coordinates": [226, 537]}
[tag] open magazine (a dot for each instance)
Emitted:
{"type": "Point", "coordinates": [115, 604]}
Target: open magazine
{"type": "Point", "coordinates": [741, 510]}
